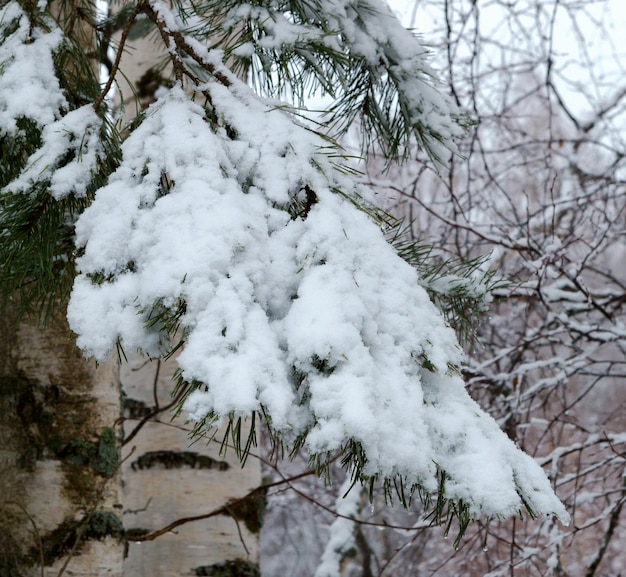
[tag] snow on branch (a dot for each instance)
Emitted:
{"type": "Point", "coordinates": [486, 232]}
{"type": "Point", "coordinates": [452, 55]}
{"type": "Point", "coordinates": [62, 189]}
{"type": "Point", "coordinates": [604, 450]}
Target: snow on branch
{"type": "Point", "coordinates": [68, 157]}
{"type": "Point", "coordinates": [29, 87]}
{"type": "Point", "coordinates": [54, 152]}
{"type": "Point", "coordinates": [287, 301]}
{"type": "Point", "coordinates": [355, 51]}
{"type": "Point", "coordinates": [229, 232]}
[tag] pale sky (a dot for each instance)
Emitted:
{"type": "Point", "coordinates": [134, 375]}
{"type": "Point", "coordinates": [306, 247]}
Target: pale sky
{"type": "Point", "coordinates": [588, 49]}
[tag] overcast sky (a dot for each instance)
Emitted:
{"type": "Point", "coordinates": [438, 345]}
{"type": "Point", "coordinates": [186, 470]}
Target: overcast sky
{"type": "Point", "coordinates": [589, 48]}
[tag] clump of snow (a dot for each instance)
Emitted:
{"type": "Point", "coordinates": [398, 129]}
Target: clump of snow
{"type": "Point", "coordinates": [29, 87]}
{"type": "Point", "coordinates": [311, 316]}
{"type": "Point", "coordinates": [77, 135]}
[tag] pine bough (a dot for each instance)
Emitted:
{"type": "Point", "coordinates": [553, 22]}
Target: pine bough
{"type": "Point", "coordinates": [226, 230]}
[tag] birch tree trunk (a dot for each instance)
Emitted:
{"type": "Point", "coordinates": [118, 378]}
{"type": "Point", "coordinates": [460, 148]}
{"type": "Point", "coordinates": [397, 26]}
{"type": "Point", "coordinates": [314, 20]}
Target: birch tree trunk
{"type": "Point", "coordinates": [59, 438]}
{"type": "Point", "coordinates": [59, 455]}
{"type": "Point", "coordinates": [165, 478]}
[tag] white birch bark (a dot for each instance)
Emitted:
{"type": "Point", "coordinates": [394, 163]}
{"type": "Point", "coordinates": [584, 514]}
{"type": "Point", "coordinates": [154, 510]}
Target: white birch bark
{"type": "Point", "coordinates": [59, 465]}
{"type": "Point", "coordinates": [166, 479]}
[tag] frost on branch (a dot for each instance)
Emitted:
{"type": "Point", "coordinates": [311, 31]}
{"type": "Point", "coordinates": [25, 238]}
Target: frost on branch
{"type": "Point", "coordinates": [230, 229]}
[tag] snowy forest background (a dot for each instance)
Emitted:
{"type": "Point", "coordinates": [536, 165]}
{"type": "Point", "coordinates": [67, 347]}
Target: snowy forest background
{"type": "Point", "coordinates": [535, 201]}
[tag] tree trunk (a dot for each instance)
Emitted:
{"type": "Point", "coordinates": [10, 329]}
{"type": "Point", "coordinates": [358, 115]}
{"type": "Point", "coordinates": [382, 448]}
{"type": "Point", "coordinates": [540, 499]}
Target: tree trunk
{"type": "Point", "coordinates": [166, 480]}
{"type": "Point", "coordinates": [59, 455]}
{"type": "Point", "coordinates": [165, 477]}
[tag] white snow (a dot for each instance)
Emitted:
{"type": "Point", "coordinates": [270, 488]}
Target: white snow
{"type": "Point", "coordinates": [266, 293]}
{"type": "Point", "coordinates": [29, 87]}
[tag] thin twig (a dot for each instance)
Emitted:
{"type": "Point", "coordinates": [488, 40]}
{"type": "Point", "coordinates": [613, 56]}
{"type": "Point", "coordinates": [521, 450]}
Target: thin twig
{"type": "Point", "coordinates": [241, 539]}
{"type": "Point", "coordinates": [118, 56]}
{"type": "Point", "coordinates": [39, 539]}
{"type": "Point", "coordinates": [151, 415]}
{"type": "Point", "coordinates": [220, 510]}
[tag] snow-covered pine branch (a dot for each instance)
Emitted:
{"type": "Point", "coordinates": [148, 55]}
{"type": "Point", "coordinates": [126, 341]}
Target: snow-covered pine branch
{"type": "Point", "coordinates": [229, 231]}
{"type": "Point", "coordinates": [354, 51]}
{"type": "Point", "coordinates": [54, 152]}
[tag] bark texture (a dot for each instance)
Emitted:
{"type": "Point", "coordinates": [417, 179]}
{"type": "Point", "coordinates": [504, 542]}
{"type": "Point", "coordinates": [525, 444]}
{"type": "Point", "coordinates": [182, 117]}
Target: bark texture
{"type": "Point", "coordinates": [59, 455]}
{"type": "Point", "coordinates": [166, 478]}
